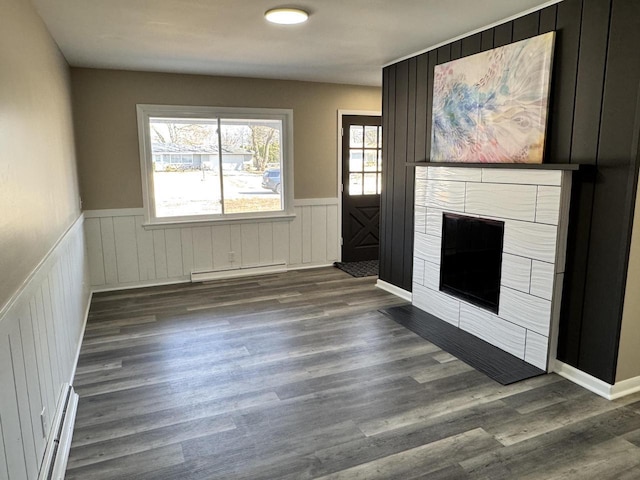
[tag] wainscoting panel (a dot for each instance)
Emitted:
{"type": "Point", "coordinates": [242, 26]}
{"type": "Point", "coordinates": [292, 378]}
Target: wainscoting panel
{"type": "Point", "coordinates": [40, 334]}
{"type": "Point", "coordinates": [122, 253]}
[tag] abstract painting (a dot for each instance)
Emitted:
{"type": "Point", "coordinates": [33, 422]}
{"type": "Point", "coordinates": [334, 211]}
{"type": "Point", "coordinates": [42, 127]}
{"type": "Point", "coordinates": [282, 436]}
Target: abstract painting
{"type": "Point", "coordinates": [492, 107]}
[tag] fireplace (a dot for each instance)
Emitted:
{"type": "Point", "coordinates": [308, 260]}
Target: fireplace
{"type": "Point", "coordinates": [510, 293]}
{"type": "Point", "coordinates": [471, 259]}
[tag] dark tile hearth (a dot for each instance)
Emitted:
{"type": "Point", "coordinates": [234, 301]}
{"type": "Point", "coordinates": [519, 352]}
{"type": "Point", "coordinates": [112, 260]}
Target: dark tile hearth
{"type": "Point", "coordinates": [484, 357]}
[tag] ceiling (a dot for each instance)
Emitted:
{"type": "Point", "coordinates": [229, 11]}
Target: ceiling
{"type": "Point", "coordinates": [344, 41]}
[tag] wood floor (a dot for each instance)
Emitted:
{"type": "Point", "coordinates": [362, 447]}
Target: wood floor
{"type": "Point", "coordinates": [298, 376]}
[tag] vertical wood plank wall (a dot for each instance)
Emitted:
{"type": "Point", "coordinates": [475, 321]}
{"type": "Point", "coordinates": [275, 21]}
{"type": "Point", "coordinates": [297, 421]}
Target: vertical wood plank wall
{"type": "Point", "coordinates": [592, 121]}
{"type": "Point", "coordinates": [39, 339]}
{"type": "Point", "coordinates": [123, 254]}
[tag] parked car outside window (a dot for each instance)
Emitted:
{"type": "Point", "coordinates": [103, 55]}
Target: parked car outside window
{"type": "Point", "coordinates": [271, 179]}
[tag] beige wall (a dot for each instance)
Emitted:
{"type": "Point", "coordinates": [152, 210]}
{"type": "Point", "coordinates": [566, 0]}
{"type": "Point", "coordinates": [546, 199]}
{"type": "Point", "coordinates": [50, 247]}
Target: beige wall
{"type": "Point", "coordinates": [105, 119]}
{"type": "Point", "coordinates": [629, 353]}
{"type": "Point", "coordinates": [38, 182]}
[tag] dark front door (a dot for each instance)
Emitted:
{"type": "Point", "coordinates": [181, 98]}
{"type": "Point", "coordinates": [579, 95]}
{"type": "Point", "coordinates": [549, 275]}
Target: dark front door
{"type": "Point", "coordinates": [361, 181]}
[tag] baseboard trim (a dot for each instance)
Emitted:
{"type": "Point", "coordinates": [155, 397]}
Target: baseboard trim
{"type": "Point", "coordinates": [309, 267]}
{"type": "Point", "coordinates": [84, 327]}
{"type": "Point", "coordinates": [583, 379]}
{"type": "Point", "coordinates": [397, 291]}
{"type": "Point", "coordinates": [595, 385]}
{"type": "Point", "coordinates": [238, 272]}
{"type": "Point", "coordinates": [144, 284]}
{"type": "Point", "coordinates": [185, 279]}
{"type": "Point", "coordinates": [625, 387]}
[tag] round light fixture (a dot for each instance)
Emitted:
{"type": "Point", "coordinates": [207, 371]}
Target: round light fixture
{"type": "Point", "coordinates": [286, 16]}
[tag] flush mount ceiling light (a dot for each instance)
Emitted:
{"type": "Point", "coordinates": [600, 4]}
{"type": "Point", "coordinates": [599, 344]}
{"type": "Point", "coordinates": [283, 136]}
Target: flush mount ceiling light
{"type": "Point", "coordinates": [286, 16]}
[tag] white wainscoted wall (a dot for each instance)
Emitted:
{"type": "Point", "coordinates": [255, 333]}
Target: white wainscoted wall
{"type": "Point", "coordinates": [534, 206]}
{"type": "Point", "coordinates": [122, 253]}
{"type": "Point", "coordinates": [40, 333]}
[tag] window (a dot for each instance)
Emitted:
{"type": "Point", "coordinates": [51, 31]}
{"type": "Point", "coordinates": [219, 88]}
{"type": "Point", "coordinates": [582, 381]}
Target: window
{"type": "Point", "coordinates": [365, 160]}
{"type": "Point", "coordinates": [212, 164]}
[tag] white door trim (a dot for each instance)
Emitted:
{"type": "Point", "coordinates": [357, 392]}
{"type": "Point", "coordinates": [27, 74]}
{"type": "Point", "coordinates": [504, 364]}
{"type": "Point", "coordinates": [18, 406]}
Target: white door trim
{"type": "Point", "coordinates": [371, 113]}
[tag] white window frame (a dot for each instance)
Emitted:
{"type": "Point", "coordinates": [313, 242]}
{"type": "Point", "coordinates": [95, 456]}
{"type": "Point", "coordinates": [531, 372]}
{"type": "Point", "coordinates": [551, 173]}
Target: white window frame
{"type": "Point", "coordinates": [146, 111]}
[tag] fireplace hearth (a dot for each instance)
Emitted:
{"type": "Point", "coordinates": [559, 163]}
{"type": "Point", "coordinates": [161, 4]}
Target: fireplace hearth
{"type": "Point", "coordinates": [532, 206]}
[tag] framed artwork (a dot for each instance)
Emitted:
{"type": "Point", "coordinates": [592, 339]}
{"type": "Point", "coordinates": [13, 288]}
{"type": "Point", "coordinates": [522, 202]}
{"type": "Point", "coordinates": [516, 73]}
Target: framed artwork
{"type": "Point", "coordinates": [492, 107]}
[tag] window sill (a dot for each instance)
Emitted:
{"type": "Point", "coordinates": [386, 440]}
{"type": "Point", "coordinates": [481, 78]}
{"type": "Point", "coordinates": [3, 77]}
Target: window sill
{"type": "Point", "coordinates": [279, 217]}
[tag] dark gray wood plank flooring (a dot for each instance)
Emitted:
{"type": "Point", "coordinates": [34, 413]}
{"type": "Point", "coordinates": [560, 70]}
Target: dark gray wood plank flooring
{"type": "Point", "coordinates": [298, 376]}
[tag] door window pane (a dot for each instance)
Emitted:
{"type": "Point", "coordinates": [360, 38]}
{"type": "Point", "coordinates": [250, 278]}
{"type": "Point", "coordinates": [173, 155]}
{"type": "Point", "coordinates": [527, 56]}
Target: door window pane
{"type": "Point", "coordinates": [370, 137]}
{"type": "Point", "coordinates": [370, 184]}
{"type": "Point", "coordinates": [355, 184]}
{"type": "Point", "coordinates": [356, 136]}
{"type": "Point", "coordinates": [355, 160]}
{"type": "Point", "coordinates": [370, 160]}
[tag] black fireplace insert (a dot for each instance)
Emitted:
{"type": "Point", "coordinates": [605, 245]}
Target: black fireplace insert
{"type": "Point", "coordinates": [471, 259]}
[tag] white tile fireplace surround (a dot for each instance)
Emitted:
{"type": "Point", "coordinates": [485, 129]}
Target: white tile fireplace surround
{"type": "Point", "coordinates": [534, 206]}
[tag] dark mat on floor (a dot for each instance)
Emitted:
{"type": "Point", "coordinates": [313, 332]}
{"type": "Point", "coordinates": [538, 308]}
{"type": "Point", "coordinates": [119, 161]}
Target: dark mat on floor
{"type": "Point", "coordinates": [484, 357]}
{"type": "Point", "coordinates": [367, 268]}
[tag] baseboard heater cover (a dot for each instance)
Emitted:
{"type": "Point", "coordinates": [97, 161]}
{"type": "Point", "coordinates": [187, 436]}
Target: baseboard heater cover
{"type": "Point", "coordinates": [56, 454]}
{"type": "Point", "coordinates": [238, 272]}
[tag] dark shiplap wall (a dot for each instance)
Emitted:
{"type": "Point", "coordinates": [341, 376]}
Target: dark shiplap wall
{"type": "Point", "coordinates": [592, 121]}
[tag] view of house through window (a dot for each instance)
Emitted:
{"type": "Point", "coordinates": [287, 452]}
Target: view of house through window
{"type": "Point", "coordinates": [215, 166]}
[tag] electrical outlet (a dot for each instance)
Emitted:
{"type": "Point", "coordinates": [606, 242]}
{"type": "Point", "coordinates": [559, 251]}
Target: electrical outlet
{"type": "Point", "coordinates": [43, 421]}
{"type": "Point", "coordinates": [232, 256]}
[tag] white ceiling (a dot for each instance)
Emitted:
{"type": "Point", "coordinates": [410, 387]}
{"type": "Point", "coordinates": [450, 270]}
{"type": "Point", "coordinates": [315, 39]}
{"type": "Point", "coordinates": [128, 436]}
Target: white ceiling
{"type": "Point", "coordinates": [344, 41]}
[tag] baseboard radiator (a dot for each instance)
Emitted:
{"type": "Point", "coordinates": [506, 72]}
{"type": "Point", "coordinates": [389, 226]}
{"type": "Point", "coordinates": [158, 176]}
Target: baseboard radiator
{"type": "Point", "coordinates": [56, 454]}
{"type": "Point", "coordinates": [238, 272]}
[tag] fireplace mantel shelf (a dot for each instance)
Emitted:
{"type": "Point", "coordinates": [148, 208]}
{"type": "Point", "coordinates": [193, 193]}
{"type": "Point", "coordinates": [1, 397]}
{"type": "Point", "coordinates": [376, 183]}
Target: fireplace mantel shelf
{"type": "Point", "coordinates": [529, 166]}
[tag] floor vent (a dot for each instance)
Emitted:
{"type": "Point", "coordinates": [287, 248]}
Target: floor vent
{"type": "Point", "coordinates": [238, 272]}
{"type": "Point", "coordinates": [57, 451]}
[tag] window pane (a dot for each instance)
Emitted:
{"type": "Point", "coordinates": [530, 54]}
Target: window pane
{"type": "Point", "coordinates": [370, 184]}
{"type": "Point", "coordinates": [370, 160]}
{"type": "Point", "coordinates": [182, 189]}
{"type": "Point", "coordinates": [370, 137]}
{"type": "Point", "coordinates": [379, 137]}
{"type": "Point", "coordinates": [379, 160]}
{"type": "Point", "coordinates": [355, 184]}
{"type": "Point", "coordinates": [251, 165]}
{"type": "Point", "coordinates": [379, 183]}
{"type": "Point", "coordinates": [355, 136]}
{"type": "Point", "coordinates": [355, 160]}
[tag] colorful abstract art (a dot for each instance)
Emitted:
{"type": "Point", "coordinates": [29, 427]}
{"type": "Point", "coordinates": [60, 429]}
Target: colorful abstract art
{"type": "Point", "coordinates": [492, 107]}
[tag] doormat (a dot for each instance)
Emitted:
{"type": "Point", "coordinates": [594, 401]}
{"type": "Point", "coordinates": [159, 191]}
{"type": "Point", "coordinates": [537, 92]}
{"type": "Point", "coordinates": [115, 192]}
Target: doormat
{"type": "Point", "coordinates": [497, 364]}
{"type": "Point", "coordinates": [366, 268]}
